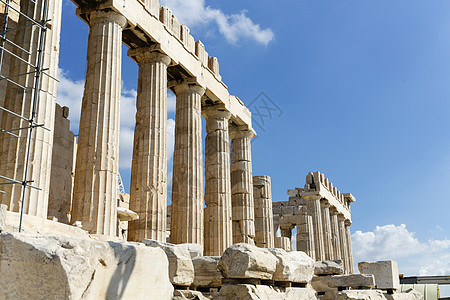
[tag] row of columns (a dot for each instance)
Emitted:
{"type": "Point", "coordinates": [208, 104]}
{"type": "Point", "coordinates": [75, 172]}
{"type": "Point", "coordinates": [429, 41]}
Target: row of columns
{"type": "Point", "coordinates": [324, 233]}
{"type": "Point", "coordinates": [228, 217]}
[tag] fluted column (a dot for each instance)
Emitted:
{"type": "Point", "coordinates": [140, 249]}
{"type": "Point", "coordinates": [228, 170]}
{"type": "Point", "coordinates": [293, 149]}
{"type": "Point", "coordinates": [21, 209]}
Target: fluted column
{"type": "Point", "coordinates": [242, 185]}
{"type": "Point", "coordinates": [262, 194]}
{"type": "Point", "coordinates": [187, 187]}
{"type": "Point", "coordinates": [314, 210]}
{"type": "Point", "coordinates": [335, 232]}
{"type": "Point", "coordinates": [343, 240]}
{"type": "Point", "coordinates": [348, 235]}
{"type": "Point", "coordinates": [13, 149]}
{"type": "Point", "coordinates": [327, 236]}
{"type": "Point", "coordinates": [148, 193]}
{"type": "Point", "coordinates": [217, 218]}
{"type": "Point", "coordinates": [305, 235]}
{"type": "Point", "coordinates": [97, 165]}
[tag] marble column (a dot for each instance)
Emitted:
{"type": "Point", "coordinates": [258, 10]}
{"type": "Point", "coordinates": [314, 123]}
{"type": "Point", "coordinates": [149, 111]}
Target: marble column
{"type": "Point", "coordinates": [343, 240]}
{"type": "Point", "coordinates": [242, 185]}
{"type": "Point", "coordinates": [148, 193]}
{"type": "Point", "coordinates": [97, 164]}
{"type": "Point", "coordinates": [262, 194]}
{"type": "Point", "coordinates": [327, 234]}
{"type": "Point", "coordinates": [13, 150]}
{"type": "Point", "coordinates": [187, 185]}
{"type": "Point", "coordinates": [305, 235]}
{"type": "Point", "coordinates": [335, 233]}
{"type": "Point", "coordinates": [314, 210]}
{"type": "Point", "coordinates": [348, 235]}
{"type": "Point", "coordinates": [218, 234]}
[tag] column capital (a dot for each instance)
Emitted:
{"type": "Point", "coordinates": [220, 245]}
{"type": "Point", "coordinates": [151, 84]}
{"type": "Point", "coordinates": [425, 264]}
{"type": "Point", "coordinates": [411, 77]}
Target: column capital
{"type": "Point", "coordinates": [311, 197]}
{"type": "Point", "coordinates": [185, 87]}
{"type": "Point", "coordinates": [347, 222]}
{"type": "Point", "coordinates": [147, 54]}
{"type": "Point", "coordinates": [341, 217]}
{"type": "Point", "coordinates": [333, 210]}
{"type": "Point", "coordinates": [242, 131]}
{"type": "Point", "coordinates": [324, 202]}
{"type": "Point", "coordinates": [96, 16]}
{"type": "Point", "coordinates": [216, 112]}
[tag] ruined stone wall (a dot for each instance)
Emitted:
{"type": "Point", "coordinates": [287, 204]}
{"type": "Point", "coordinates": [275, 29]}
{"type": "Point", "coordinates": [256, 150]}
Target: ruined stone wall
{"type": "Point", "coordinates": [63, 167]}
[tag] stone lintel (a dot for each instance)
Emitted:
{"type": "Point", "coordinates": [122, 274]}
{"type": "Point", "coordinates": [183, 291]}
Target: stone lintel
{"type": "Point", "coordinates": [147, 27]}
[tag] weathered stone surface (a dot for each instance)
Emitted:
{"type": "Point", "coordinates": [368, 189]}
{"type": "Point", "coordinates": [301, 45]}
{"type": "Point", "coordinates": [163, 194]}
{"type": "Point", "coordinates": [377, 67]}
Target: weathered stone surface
{"type": "Point", "coordinates": [181, 269]}
{"type": "Point", "coordinates": [206, 272]}
{"type": "Point", "coordinates": [331, 283]}
{"type": "Point", "coordinates": [195, 250]}
{"type": "Point", "coordinates": [263, 292]}
{"type": "Point", "coordinates": [187, 181]}
{"type": "Point", "coordinates": [50, 267]}
{"type": "Point", "coordinates": [293, 266]}
{"type": "Point", "coordinates": [188, 295]}
{"type": "Point", "coordinates": [354, 295]}
{"type": "Point", "coordinates": [247, 261]}
{"type": "Point", "coordinates": [329, 267]}
{"type": "Point", "coordinates": [218, 213]}
{"type": "Point", "coordinates": [410, 294]}
{"type": "Point", "coordinates": [3, 209]}
{"type": "Point", "coordinates": [95, 190]}
{"type": "Point", "coordinates": [385, 273]}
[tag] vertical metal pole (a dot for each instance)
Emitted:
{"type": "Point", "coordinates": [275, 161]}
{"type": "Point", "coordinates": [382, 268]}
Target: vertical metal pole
{"type": "Point", "coordinates": [37, 82]}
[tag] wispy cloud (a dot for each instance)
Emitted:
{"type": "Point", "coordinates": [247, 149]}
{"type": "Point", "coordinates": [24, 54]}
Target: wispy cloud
{"type": "Point", "coordinates": [234, 27]}
{"type": "Point", "coordinates": [391, 242]}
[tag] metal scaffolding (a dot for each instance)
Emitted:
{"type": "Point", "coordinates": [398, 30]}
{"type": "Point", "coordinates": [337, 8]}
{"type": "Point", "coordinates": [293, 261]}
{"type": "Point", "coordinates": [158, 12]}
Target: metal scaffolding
{"type": "Point", "coordinates": [35, 67]}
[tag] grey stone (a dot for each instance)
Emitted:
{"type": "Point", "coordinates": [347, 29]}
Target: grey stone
{"type": "Point", "coordinates": [293, 266]}
{"type": "Point", "coordinates": [331, 283]}
{"type": "Point", "coordinates": [263, 292]}
{"type": "Point", "coordinates": [195, 250]}
{"type": "Point", "coordinates": [247, 261]}
{"type": "Point", "coordinates": [329, 267]}
{"type": "Point", "coordinates": [385, 273]}
{"type": "Point", "coordinates": [181, 269]}
{"type": "Point", "coordinates": [49, 267]}
{"type": "Point", "coordinates": [206, 272]}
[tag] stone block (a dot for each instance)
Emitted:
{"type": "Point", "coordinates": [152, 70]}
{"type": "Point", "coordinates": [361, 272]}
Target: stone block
{"type": "Point", "coordinates": [3, 209]}
{"type": "Point", "coordinates": [263, 292]}
{"type": "Point", "coordinates": [206, 271]}
{"type": "Point", "coordinates": [188, 295]}
{"type": "Point", "coordinates": [385, 273]}
{"type": "Point", "coordinates": [329, 267]}
{"type": "Point", "coordinates": [354, 295]}
{"type": "Point", "coordinates": [332, 283]}
{"type": "Point", "coordinates": [293, 266]}
{"type": "Point", "coordinates": [195, 250]}
{"type": "Point", "coordinates": [247, 261]}
{"type": "Point", "coordinates": [409, 294]}
{"type": "Point", "coordinates": [51, 267]}
{"type": "Point", "coordinates": [181, 269]}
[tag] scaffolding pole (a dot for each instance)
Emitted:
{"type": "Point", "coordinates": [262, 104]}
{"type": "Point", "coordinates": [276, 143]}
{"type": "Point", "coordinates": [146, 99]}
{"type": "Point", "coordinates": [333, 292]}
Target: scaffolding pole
{"type": "Point", "coordinates": [38, 71]}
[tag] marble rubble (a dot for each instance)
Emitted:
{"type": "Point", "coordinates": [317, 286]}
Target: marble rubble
{"type": "Point", "coordinates": [222, 237]}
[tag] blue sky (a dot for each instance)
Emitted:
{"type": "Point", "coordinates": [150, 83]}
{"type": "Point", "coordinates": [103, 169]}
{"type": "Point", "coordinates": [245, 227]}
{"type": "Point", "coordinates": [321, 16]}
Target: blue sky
{"type": "Point", "coordinates": [363, 91]}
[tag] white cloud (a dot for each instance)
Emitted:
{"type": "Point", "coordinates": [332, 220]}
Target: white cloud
{"type": "Point", "coordinates": [171, 102]}
{"type": "Point", "coordinates": [391, 242]}
{"type": "Point", "coordinates": [234, 27]}
{"type": "Point", "coordinates": [70, 94]}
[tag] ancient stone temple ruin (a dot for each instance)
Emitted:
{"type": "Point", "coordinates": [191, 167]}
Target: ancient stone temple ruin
{"type": "Point", "coordinates": [322, 216]}
{"type": "Point", "coordinates": [68, 230]}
